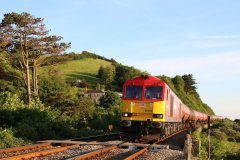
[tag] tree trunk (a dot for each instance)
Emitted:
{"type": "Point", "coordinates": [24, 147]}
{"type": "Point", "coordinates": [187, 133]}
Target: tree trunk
{"type": "Point", "coordinates": [28, 82]}
{"type": "Point", "coordinates": [26, 59]}
{"type": "Point", "coordinates": [35, 79]}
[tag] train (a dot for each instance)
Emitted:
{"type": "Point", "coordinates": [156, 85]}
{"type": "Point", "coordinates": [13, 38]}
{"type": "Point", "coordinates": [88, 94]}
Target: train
{"type": "Point", "coordinates": [151, 109]}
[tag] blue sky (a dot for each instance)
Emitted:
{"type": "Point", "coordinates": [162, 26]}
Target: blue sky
{"type": "Point", "coordinates": [163, 37]}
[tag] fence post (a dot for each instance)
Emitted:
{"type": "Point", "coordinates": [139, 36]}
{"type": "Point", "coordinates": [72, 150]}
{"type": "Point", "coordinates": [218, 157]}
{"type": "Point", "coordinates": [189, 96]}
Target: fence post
{"type": "Point", "coordinates": [209, 151]}
{"type": "Point", "coordinates": [189, 147]}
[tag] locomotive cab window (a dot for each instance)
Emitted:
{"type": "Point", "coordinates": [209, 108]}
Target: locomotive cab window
{"type": "Point", "coordinates": [133, 92]}
{"type": "Point", "coordinates": [153, 92]}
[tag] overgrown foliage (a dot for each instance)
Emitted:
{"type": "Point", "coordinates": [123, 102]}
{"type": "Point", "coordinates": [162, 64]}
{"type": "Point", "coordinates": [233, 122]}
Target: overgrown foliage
{"type": "Point", "coordinates": [110, 99]}
{"type": "Point", "coordinates": [225, 142]}
{"type": "Point", "coordinates": [124, 73]}
{"type": "Point", "coordinates": [107, 75]}
{"type": "Point", "coordinates": [189, 96]}
{"type": "Point", "coordinates": [103, 117]}
{"type": "Point", "coordinates": [7, 139]}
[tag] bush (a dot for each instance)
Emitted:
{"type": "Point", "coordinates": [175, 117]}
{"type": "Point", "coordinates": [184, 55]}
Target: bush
{"type": "Point", "coordinates": [33, 122]}
{"type": "Point", "coordinates": [222, 141]}
{"type": "Point", "coordinates": [110, 99]}
{"type": "Point", "coordinates": [10, 101]}
{"type": "Point", "coordinates": [102, 117]}
{"type": "Point", "coordinates": [7, 139]}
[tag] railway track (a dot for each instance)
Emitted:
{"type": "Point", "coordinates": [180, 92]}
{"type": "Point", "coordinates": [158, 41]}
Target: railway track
{"type": "Point", "coordinates": [94, 148]}
{"type": "Point", "coordinates": [140, 152]}
{"type": "Point", "coordinates": [100, 138]}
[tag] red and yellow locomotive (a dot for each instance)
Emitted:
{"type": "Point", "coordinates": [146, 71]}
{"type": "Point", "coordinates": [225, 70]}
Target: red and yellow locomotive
{"type": "Point", "coordinates": [151, 108]}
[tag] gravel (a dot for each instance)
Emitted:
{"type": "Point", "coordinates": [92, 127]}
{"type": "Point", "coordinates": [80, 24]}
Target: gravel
{"type": "Point", "coordinates": [115, 154]}
{"type": "Point", "coordinates": [15, 153]}
{"type": "Point", "coordinates": [69, 153]}
{"type": "Point", "coordinates": [162, 154]}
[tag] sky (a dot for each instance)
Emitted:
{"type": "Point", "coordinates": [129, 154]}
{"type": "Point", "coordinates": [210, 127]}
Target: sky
{"type": "Point", "coordinates": [162, 37]}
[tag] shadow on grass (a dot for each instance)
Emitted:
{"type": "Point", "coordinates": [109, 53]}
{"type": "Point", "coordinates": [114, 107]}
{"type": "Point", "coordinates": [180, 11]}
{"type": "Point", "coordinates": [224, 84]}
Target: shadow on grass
{"type": "Point", "coordinates": [88, 77]}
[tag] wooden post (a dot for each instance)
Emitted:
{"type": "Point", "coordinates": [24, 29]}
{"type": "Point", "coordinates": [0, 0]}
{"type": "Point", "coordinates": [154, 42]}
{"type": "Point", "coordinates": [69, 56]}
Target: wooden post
{"type": "Point", "coordinates": [110, 127]}
{"type": "Point", "coordinates": [209, 151]}
{"type": "Point", "coordinates": [189, 147]}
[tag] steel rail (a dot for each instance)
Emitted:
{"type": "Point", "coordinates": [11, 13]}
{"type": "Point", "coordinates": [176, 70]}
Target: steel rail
{"type": "Point", "coordinates": [98, 137]}
{"type": "Point", "coordinates": [138, 153]}
{"type": "Point", "coordinates": [94, 153]}
{"type": "Point", "coordinates": [39, 153]}
{"type": "Point", "coordinates": [34, 146]}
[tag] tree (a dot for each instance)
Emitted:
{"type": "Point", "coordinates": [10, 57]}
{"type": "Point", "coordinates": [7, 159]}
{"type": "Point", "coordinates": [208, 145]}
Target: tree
{"type": "Point", "coordinates": [178, 83]}
{"type": "Point", "coordinates": [189, 84]}
{"type": "Point", "coordinates": [28, 37]}
{"type": "Point", "coordinates": [45, 45]}
{"type": "Point", "coordinates": [110, 99]}
{"type": "Point", "coordinates": [124, 73]}
{"type": "Point", "coordinates": [107, 74]}
{"type": "Point", "coordinates": [100, 72]}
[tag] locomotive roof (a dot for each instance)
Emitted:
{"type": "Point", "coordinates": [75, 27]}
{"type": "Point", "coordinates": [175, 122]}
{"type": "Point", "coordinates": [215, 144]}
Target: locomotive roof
{"type": "Point", "coordinates": [145, 80]}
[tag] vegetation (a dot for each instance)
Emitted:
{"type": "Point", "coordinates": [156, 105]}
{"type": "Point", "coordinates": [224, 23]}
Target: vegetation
{"type": "Point", "coordinates": [185, 88]}
{"type": "Point", "coordinates": [225, 138]}
{"type": "Point", "coordinates": [84, 70]}
{"type": "Point", "coordinates": [26, 39]}
{"type": "Point", "coordinates": [42, 91]}
{"type": "Point", "coordinates": [7, 139]}
{"type": "Point", "coordinates": [110, 99]}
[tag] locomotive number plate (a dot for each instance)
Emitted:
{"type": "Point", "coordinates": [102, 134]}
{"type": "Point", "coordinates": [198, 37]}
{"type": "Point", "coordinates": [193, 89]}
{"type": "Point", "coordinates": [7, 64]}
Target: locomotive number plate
{"type": "Point", "coordinates": [142, 104]}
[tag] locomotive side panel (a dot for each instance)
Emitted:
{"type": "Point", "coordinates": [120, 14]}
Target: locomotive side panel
{"type": "Point", "coordinates": [173, 106]}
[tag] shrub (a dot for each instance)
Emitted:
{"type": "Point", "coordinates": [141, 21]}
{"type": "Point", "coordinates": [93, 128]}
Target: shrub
{"type": "Point", "coordinates": [102, 117]}
{"type": "Point", "coordinates": [110, 99]}
{"type": "Point", "coordinates": [10, 101]}
{"type": "Point", "coordinates": [222, 141]}
{"type": "Point", "coordinates": [8, 140]}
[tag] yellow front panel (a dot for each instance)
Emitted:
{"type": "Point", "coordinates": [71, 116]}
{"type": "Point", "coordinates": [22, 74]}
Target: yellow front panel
{"type": "Point", "coordinates": [143, 110]}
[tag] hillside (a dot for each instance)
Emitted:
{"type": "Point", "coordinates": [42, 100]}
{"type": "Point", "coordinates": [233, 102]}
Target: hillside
{"type": "Point", "coordinates": [84, 69]}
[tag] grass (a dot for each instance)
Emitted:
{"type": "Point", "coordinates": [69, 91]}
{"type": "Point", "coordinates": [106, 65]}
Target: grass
{"type": "Point", "coordinates": [85, 69]}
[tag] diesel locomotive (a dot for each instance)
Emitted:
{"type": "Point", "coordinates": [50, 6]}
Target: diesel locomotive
{"type": "Point", "coordinates": [151, 109]}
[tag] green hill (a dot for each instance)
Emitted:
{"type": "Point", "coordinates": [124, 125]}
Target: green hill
{"type": "Point", "coordinates": [84, 69]}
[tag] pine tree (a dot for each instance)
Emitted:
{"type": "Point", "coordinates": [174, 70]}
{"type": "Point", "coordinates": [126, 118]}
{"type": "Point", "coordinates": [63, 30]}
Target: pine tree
{"type": "Point", "coordinates": [189, 84]}
{"type": "Point", "coordinates": [27, 37]}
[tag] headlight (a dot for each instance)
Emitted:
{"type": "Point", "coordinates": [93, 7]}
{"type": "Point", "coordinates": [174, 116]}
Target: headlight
{"type": "Point", "coordinates": [158, 116]}
{"type": "Point", "coordinates": [127, 114]}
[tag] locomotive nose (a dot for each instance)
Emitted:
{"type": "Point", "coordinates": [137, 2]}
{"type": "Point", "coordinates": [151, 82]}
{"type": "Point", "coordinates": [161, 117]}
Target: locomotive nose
{"type": "Point", "coordinates": [125, 123]}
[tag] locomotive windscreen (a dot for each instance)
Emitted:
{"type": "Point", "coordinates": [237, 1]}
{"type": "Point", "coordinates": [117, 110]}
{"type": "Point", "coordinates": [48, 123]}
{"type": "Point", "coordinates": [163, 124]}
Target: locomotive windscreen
{"type": "Point", "coordinates": [133, 92]}
{"type": "Point", "coordinates": [153, 92]}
